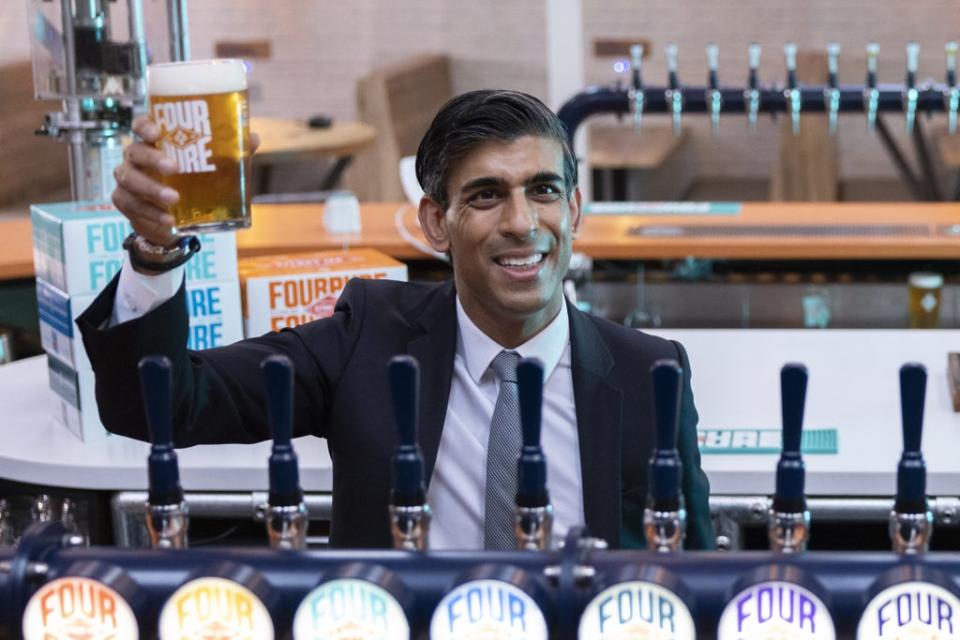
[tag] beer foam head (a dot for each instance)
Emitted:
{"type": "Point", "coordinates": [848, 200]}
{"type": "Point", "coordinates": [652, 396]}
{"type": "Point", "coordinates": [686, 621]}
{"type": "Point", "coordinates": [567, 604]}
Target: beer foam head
{"type": "Point", "coordinates": [197, 77]}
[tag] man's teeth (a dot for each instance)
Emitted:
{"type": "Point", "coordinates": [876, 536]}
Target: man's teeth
{"type": "Point", "coordinates": [521, 262]}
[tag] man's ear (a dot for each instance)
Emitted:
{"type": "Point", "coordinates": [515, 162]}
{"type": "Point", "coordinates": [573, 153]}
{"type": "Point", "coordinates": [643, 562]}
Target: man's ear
{"type": "Point", "coordinates": [576, 212]}
{"type": "Point", "coordinates": [433, 223]}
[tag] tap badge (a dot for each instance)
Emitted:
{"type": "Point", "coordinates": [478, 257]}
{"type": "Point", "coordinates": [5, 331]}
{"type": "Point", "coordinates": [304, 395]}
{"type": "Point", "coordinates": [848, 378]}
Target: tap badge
{"type": "Point", "coordinates": [348, 609]}
{"type": "Point", "coordinates": [636, 609]}
{"type": "Point", "coordinates": [487, 610]}
{"type": "Point", "coordinates": [208, 608]}
{"type": "Point", "coordinates": [776, 609]}
{"type": "Point", "coordinates": [911, 610]}
{"type": "Point", "coordinates": [78, 608]}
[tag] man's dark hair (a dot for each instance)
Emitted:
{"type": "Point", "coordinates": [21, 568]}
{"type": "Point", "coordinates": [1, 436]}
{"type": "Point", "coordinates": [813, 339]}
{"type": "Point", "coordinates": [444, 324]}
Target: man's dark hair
{"type": "Point", "coordinates": [474, 118]}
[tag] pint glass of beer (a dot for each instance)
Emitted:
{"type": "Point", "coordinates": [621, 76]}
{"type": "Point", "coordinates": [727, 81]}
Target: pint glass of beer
{"type": "Point", "coordinates": [925, 288]}
{"type": "Point", "coordinates": [201, 109]}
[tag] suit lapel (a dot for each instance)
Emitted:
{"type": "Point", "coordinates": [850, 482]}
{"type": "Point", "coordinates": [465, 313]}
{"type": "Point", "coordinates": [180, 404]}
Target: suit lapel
{"type": "Point", "coordinates": [598, 407]}
{"type": "Point", "coordinates": [434, 345]}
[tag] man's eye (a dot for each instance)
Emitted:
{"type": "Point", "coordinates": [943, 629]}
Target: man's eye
{"type": "Point", "coordinates": [484, 195]}
{"type": "Point", "coordinates": [547, 190]}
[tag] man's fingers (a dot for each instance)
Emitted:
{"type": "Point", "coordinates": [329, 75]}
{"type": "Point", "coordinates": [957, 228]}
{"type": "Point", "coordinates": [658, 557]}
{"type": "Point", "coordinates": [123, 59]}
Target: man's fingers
{"type": "Point", "coordinates": [254, 141]}
{"type": "Point", "coordinates": [140, 185]}
{"type": "Point", "coordinates": [146, 128]}
{"type": "Point", "coordinates": [147, 219]}
{"type": "Point", "coordinates": [144, 156]}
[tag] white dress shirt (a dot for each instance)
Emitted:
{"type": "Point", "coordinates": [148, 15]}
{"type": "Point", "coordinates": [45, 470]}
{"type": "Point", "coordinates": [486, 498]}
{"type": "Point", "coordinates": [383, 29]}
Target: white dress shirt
{"type": "Point", "coordinates": [458, 486]}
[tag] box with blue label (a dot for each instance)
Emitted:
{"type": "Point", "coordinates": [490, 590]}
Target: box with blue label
{"type": "Point", "coordinates": [75, 402]}
{"type": "Point", "coordinates": [214, 309]}
{"type": "Point", "coordinates": [78, 248]}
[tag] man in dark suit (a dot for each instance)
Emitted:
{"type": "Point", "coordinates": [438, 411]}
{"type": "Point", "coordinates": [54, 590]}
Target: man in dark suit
{"type": "Point", "coordinates": [501, 200]}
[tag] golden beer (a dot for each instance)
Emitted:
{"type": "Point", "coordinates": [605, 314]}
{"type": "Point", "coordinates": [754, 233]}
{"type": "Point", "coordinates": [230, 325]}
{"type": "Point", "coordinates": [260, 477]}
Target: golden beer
{"type": "Point", "coordinates": [925, 291]}
{"type": "Point", "coordinates": [201, 109]}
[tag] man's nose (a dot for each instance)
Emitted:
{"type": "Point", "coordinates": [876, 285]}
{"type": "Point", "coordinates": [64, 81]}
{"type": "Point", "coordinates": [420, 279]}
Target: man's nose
{"type": "Point", "coordinates": [520, 216]}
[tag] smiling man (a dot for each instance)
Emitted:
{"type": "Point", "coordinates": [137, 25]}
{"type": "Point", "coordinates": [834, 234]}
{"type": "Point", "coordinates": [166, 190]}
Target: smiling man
{"type": "Point", "coordinates": [502, 200]}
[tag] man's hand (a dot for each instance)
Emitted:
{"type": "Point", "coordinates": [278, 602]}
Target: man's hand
{"type": "Point", "coordinates": [139, 195]}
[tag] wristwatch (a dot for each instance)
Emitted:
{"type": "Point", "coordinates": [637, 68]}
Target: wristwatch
{"type": "Point", "coordinates": [156, 259]}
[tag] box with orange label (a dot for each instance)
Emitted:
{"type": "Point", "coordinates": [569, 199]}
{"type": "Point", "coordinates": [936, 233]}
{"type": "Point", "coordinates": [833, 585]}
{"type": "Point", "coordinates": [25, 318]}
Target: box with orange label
{"type": "Point", "coordinates": [293, 289]}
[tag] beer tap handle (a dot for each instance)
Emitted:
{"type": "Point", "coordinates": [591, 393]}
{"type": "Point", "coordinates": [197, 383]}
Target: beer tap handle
{"type": "Point", "coordinates": [872, 97]}
{"type": "Point", "coordinates": [793, 92]}
{"type": "Point", "coordinates": [636, 92]}
{"type": "Point", "coordinates": [911, 521]}
{"type": "Point", "coordinates": [833, 83]}
{"type": "Point", "coordinates": [789, 526]}
{"type": "Point", "coordinates": [753, 84]}
{"type": "Point", "coordinates": [664, 517]}
{"type": "Point", "coordinates": [714, 97]}
{"type": "Point", "coordinates": [912, 95]}
{"type": "Point", "coordinates": [409, 511]}
{"type": "Point", "coordinates": [534, 513]}
{"type": "Point", "coordinates": [674, 92]}
{"type": "Point", "coordinates": [953, 94]}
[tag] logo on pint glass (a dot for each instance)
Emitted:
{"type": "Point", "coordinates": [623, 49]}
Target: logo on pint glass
{"type": "Point", "coordinates": [185, 134]}
{"type": "Point", "coordinates": [487, 610]}
{"type": "Point", "coordinates": [350, 609]}
{"type": "Point", "coordinates": [776, 609]}
{"type": "Point", "coordinates": [78, 608]}
{"type": "Point", "coordinates": [636, 609]}
{"type": "Point", "coordinates": [214, 608]}
{"type": "Point", "coordinates": [911, 610]}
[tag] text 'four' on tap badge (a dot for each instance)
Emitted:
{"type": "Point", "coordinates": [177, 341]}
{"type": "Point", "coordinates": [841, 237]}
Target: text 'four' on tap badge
{"type": "Point", "coordinates": [911, 610]}
{"type": "Point", "coordinates": [77, 607]}
{"type": "Point", "coordinates": [350, 609]}
{"type": "Point", "coordinates": [776, 609]}
{"type": "Point", "coordinates": [214, 608]}
{"type": "Point", "coordinates": [636, 609]}
{"type": "Point", "coordinates": [488, 610]}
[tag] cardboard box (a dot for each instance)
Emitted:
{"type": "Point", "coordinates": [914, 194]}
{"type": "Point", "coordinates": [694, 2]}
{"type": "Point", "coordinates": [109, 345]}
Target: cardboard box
{"type": "Point", "coordinates": [293, 289]}
{"type": "Point", "coordinates": [214, 309]}
{"type": "Point", "coordinates": [75, 403]}
{"type": "Point", "coordinates": [78, 247]}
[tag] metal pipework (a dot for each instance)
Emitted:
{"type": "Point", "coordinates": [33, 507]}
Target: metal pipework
{"type": "Point", "coordinates": [951, 96]}
{"type": "Point", "coordinates": [832, 93]}
{"type": "Point", "coordinates": [533, 513]}
{"type": "Point", "coordinates": [911, 94]}
{"type": "Point", "coordinates": [179, 34]}
{"type": "Point", "coordinates": [673, 94]}
{"type": "Point", "coordinates": [792, 92]}
{"type": "Point", "coordinates": [871, 95]}
{"type": "Point", "coordinates": [788, 527]}
{"type": "Point", "coordinates": [752, 94]}
{"type": "Point", "coordinates": [636, 86]}
{"type": "Point", "coordinates": [911, 521]}
{"type": "Point", "coordinates": [665, 519]}
{"type": "Point", "coordinates": [714, 97]}
{"type": "Point", "coordinates": [409, 511]}
{"type": "Point", "coordinates": [166, 511]}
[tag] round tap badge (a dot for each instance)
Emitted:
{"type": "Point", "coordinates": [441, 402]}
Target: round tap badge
{"type": "Point", "coordinates": [911, 610]}
{"type": "Point", "coordinates": [78, 608]}
{"type": "Point", "coordinates": [636, 609]}
{"type": "Point", "coordinates": [776, 609]}
{"type": "Point", "coordinates": [487, 610]}
{"type": "Point", "coordinates": [214, 608]}
{"type": "Point", "coordinates": [350, 609]}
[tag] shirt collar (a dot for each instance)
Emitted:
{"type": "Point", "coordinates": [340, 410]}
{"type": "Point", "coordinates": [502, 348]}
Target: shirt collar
{"type": "Point", "coordinates": [478, 349]}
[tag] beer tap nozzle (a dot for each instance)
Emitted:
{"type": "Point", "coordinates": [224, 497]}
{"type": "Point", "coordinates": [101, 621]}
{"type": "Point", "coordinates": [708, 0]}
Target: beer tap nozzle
{"type": "Point", "coordinates": [789, 525]}
{"type": "Point", "coordinates": [911, 94]}
{"type": "Point", "coordinates": [166, 510]}
{"type": "Point", "coordinates": [752, 94]}
{"type": "Point", "coordinates": [911, 521]}
{"type": "Point", "coordinates": [636, 91]}
{"type": "Point", "coordinates": [674, 94]}
{"type": "Point", "coordinates": [409, 511]}
{"type": "Point", "coordinates": [833, 86]}
{"type": "Point", "coordinates": [714, 97]}
{"type": "Point", "coordinates": [286, 512]}
{"type": "Point", "coordinates": [871, 96]}
{"type": "Point", "coordinates": [665, 519]}
{"type": "Point", "coordinates": [533, 515]}
{"type": "Point", "coordinates": [793, 91]}
{"type": "Point", "coordinates": [952, 96]}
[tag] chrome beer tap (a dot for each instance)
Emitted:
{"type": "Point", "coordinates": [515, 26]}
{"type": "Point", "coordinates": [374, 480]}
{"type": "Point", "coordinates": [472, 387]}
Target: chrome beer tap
{"type": "Point", "coordinates": [911, 94]}
{"type": "Point", "coordinates": [665, 519]}
{"type": "Point", "coordinates": [166, 510]}
{"type": "Point", "coordinates": [788, 527]}
{"type": "Point", "coordinates": [286, 513]}
{"type": "Point", "coordinates": [409, 511]}
{"type": "Point", "coordinates": [714, 97]}
{"type": "Point", "coordinates": [871, 97]}
{"type": "Point", "coordinates": [832, 93]}
{"type": "Point", "coordinates": [792, 92]}
{"type": "Point", "coordinates": [911, 521]}
{"type": "Point", "coordinates": [952, 95]}
{"type": "Point", "coordinates": [752, 94]}
{"type": "Point", "coordinates": [533, 513]}
{"type": "Point", "coordinates": [674, 94]}
{"type": "Point", "coordinates": [635, 93]}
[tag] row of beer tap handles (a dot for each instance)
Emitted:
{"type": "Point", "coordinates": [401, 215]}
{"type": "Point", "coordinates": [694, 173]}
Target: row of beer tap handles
{"type": "Point", "coordinates": [753, 95]}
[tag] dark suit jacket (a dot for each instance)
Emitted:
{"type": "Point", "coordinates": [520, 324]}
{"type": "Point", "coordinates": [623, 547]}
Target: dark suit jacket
{"type": "Point", "coordinates": [341, 392]}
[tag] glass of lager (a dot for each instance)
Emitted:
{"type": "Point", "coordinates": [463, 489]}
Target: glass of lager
{"type": "Point", "coordinates": [925, 288]}
{"type": "Point", "coordinates": [201, 109]}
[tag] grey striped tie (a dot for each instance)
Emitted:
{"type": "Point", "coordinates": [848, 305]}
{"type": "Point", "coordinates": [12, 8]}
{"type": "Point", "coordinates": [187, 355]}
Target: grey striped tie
{"type": "Point", "coordinates": [503, 448]}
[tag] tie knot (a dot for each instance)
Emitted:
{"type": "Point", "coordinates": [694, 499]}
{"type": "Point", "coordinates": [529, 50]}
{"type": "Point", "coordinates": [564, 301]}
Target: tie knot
{"type": "Point", "coordinates": [505, 366]}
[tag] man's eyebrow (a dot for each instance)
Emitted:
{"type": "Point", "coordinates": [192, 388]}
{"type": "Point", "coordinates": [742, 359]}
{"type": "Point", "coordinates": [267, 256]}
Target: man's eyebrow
{"type": "Point", "coordinates": [544, 176]}
{"type": "Point", "coordinates": [483, 181]}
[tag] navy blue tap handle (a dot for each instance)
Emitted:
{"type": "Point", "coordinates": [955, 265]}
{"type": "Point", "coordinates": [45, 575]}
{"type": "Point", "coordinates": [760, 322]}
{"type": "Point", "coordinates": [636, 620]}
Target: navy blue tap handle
{"type": "Point", "coordinates": [156, 388]}
{"type": "Point", "coordinates": [789, 496]}
{"type": "Point", "coordinates": [912, 471]}
{"type": "Point", "coordinates": [665, 463]}
{"type": "Point", "coordinates": [284, 471]}
{"type": "Point", "coordinates": [408, 482]}
{"type": "Point", "coordinates": [532, 464]}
